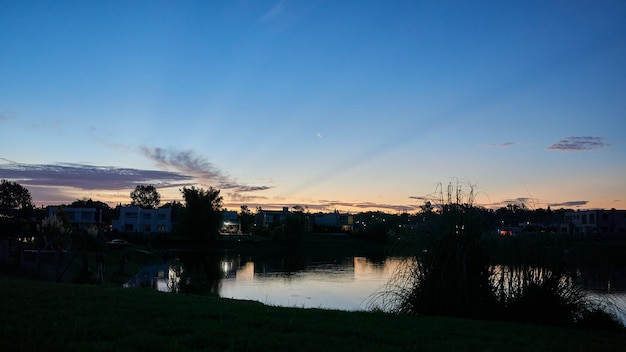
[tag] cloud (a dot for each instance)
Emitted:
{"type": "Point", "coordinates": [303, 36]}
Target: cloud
{"type": "Point", "coordinates": [579, 143]}
{"type": "Point", "coordinates": [274, 12]}
{"type": "Point", "coordinates": [330, 205]}
{"type": "Point", "coordinates": [87, 177]}
{"type": "Point", "coordinates": [502, 145]}
{"type": "Point", "coordinates": [572, 203]}
{"type": "Point", "coordinates": [189, 163]}
{"type": "Point", "coordinates": [518, 200]}
{"type": "Point", "coordinates": [4, 116]}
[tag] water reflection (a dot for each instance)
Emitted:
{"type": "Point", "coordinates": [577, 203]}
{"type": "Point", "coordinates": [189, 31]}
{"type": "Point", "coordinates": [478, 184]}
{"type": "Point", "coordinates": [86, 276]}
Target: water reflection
{"type": "Point", "coordinates": [342, 283]}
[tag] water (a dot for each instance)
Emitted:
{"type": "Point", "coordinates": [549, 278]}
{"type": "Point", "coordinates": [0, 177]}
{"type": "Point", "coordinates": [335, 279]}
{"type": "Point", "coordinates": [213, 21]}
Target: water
{"type": "Point", "coordinates": [345, 283]}
{"type": "Point", "coordinates": [348, 284]}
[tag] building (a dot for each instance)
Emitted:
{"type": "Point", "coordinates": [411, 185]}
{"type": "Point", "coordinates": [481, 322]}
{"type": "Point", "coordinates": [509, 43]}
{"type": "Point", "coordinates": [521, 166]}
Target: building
{"type": "Point", "coordinates": [335, 221]}
{"type": "Point", "coordinates": [137, 219]}
{"type": "Point", "coordinates": [80, 218]}
{"type": "Point", "coordinates": [595, 222]}
{"type": "Point", "coordinates": [270, 218]}
{"type": "Point", "coordinates": [230, 223]}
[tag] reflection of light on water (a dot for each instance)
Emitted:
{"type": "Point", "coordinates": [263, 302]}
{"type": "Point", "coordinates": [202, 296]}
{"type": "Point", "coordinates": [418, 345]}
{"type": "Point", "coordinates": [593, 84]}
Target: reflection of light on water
{"type": "Point", "coordinates": [342, 285]}
{"type": "Point", "coordinates": [226, 266]}
{"type": "Point", "coordinates": [614, 303]}
{"type": "Point", "coordinates": [246, 272]}
{"type": "Point", "coordinates": [172, 279]}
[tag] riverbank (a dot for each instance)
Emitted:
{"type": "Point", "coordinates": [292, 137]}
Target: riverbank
{"type": "Point", "coordinates": [318, 245]}
{"type": "Point", "coordinates": [39, 315]}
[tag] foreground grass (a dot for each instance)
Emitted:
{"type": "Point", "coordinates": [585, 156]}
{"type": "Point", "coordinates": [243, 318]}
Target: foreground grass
{"type": "Point", "coordinates": [38, 315]}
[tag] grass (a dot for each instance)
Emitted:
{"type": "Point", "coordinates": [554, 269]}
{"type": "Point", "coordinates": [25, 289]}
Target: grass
{"type": "Point", "coordinates": [455, 275]}
{"type": "Point", "coordinates": [40, 315]}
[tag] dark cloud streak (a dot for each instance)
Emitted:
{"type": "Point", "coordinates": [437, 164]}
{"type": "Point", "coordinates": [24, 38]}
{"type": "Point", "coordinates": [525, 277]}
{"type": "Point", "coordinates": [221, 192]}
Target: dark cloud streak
{"type": "Point", "coordinates": [572, 203]}
{"type": "Point", "coordinates": [88, 177]}
{"type": "Point", "coordinates": [579, 144]}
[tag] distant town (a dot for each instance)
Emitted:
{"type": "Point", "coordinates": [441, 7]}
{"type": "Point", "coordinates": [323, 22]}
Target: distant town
{"type": "Point", "coordinates": [144, 216]}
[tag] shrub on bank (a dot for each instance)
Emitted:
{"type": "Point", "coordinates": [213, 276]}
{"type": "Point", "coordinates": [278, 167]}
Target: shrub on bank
{"type": "Point", "coordinates": [456, 277]}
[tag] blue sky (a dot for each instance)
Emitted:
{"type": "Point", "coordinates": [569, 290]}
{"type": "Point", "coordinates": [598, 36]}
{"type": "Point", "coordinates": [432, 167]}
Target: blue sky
{"type": "Point", "coordinates": [351, 105]}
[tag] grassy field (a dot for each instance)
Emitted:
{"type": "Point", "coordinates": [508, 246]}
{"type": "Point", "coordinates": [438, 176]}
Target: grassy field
{"type": "Point", "coordinates": [45, 316]}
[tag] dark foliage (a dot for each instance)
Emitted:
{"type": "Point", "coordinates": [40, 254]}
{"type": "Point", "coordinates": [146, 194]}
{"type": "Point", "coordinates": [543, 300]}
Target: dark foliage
{"type": "Point", "coordinates": [14, 196]}
{"type": "Point", "coordinates": [455, 276]}
{"type": "Point", "coordinates": [146, 197]}
{"type": "Point", "coordinates": [198, 273]}
{"type": "Point", "coordinates": [202, 216]}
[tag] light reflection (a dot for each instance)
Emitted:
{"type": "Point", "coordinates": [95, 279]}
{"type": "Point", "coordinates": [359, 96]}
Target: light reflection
{"type": "Point", "coordinates": [347, 284]}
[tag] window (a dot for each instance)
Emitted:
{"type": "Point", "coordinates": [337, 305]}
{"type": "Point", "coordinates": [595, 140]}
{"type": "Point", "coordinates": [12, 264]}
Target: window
{"type": "Point", "coordinates": [87, 215]}
{"type": "Point", "coordinates": [146, 227]}
{"type": "Point", "coordinates": [147, 216]}
{"type": "Point", "coordinates": [592, 218]}
{"type": "Point", "coordinates": [161, 216]}
{"type": "Point", "coordinates": [584, 221]}
{"type": "Point", "coordinates": [131, 215]}
{"type": "Point", "coordinates": [129, 228]}
{"type": "Point", "coordinates": [161, 228]}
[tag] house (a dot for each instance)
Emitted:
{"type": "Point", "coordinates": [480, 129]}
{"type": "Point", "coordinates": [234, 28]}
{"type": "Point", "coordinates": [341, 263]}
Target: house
{"type": "Point", "coordinates": [230, 223]}
{"type": "Point", "coordinates": [333, 221]}
{"type": "Point", "coordinates": [137, 219]}
{"type": "Point", "coordinates": [270, 218]}
{"type": "Point", "coordinates": [595, 222]}
{"type": "Point", "coordinates": [274, 218]}
{"type": "Point", "coordinates": [80, 218]}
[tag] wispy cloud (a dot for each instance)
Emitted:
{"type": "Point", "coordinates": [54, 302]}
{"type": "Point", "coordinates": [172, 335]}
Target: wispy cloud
{"type": "Point", "coordinates": [5, 116]}
{"type": "Point", "coordinates": [579, 144]}
{"type": "Point", "coordinates": [87, 177]}
{"type": "Point", "coordinates": [502, 145]}
{"type": "Point", "coordinates": [274, 12]}
{"type": "Point", "coordinates": [571, 203]}
{"type": "Point", "coordinates": [330, 205]}
{"type": "Point", "coordinates": [189, 163]}
{"type": "Point", "coordinates": [518, 200]}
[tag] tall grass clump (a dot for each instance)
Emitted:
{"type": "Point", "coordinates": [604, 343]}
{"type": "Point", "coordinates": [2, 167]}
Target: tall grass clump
{"type": "Point", "coordinates": [452, 276]}
{"type": "Point", "coordinates": [455, 276]}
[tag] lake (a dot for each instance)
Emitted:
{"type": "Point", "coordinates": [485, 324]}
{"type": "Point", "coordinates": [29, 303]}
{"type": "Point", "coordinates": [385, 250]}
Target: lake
{"type": "Point", "coordinates": [344, 283]}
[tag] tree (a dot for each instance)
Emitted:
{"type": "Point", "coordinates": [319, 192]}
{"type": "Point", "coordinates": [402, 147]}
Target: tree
{"type": "Point", "coordinates": [13, 195]}
{"type": "Point", "coordinates": [106, 214]}
{"type": "Point", "coordinates": [202, 216]}
{"type": "Point", "coordinates": [146, 197]}
{"type": "Point", "coordinates": [177, 208]}
{"type": "Point", "coordinates": [246, 218]}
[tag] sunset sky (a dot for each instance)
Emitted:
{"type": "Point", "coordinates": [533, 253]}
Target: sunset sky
{"type": "Point", "coordinates": [348, 105]}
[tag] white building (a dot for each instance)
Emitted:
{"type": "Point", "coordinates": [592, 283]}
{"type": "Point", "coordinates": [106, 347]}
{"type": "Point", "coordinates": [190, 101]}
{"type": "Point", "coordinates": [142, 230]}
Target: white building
{"type": "Point", "coordinates": [136, 219]}
{"type": "Point", "coordinates": [81, 218]}
{"type": "Point", "coordinates": [595, 222]}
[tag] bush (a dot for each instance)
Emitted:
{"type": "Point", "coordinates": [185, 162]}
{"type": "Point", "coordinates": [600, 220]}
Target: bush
{"type": "Point", "coordinates": [454, 277]}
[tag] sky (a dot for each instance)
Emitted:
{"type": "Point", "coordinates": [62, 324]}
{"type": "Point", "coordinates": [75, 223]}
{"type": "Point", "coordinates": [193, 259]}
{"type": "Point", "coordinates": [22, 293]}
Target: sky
{"type": "Point", "coordinates": [329, 105]}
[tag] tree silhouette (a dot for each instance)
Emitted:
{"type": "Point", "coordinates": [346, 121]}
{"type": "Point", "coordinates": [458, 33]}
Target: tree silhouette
{"type": "Point", "coordinates": [246, 219]}
{"type": "Point", "coordinates": [13, 195]}
{"type": "Point", "coordinates": [146, 197]}
{"type": "Point", "coordinates": [202, 216]}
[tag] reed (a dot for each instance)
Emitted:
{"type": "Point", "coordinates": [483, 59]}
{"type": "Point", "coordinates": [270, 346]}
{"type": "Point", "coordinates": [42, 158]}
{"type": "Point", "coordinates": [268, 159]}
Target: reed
{"type": "Point", "coordinates": [455, 276]}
